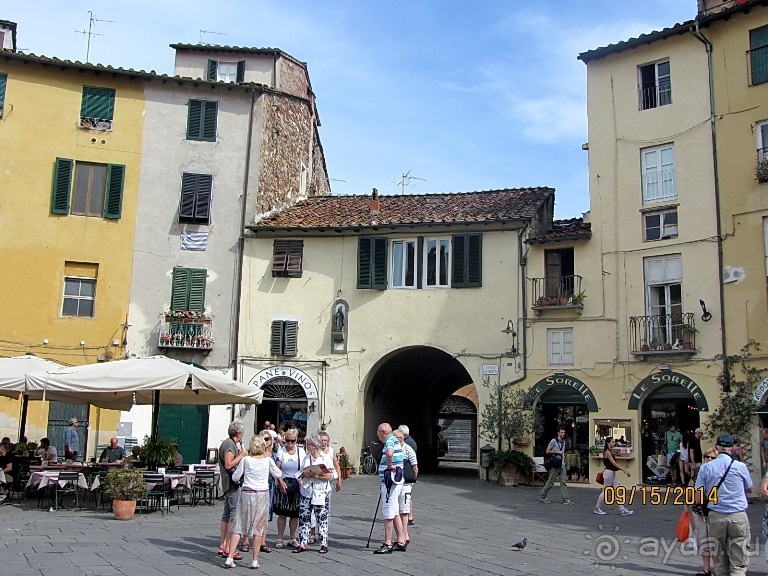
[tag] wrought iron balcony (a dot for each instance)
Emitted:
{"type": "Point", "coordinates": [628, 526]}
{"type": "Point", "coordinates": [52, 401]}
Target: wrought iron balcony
{"type": "Point", "coordinates": [188, 333]}
{"type": "Point", "coordinates": [88, 123]}
{"type": "Point", "coordinates": [662, 334]}
{"type": "Point", "coordinates": [562, 292]}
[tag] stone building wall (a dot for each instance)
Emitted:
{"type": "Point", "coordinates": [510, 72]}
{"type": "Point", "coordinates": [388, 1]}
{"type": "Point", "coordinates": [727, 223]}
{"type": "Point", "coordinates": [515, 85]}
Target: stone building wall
{"type": "Point", "coordinates": [293, 78]}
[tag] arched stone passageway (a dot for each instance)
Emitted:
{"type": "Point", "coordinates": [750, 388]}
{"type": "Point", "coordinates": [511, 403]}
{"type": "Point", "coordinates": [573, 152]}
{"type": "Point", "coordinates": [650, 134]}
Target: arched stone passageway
{"type": "Point", "coordinates": [409, 386]}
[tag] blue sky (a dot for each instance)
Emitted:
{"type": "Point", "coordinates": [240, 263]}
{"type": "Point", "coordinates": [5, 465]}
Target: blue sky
{"type": "Point", "coordinates": [467, 96]}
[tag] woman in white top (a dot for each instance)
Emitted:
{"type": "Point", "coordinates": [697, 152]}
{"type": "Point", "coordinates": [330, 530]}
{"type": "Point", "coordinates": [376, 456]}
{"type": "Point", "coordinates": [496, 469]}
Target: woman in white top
{"type": "Point", "coordinates": [286, 504]}
{"type": "Point", "coordinates": [315, 494]}
{"type": "Point", "coordinates": [253, 507]}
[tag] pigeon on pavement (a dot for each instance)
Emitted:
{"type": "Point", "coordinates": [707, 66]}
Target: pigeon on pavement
{"type": "Point", "coordinates": [520, 545]}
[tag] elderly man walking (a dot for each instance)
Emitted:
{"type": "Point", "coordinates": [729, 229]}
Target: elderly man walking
{"type": "Point", "coordinates": [391, 479]}
{"type": "Point", "coordinates": [728, 522]}
{"type": "Point", "coordinates": [71, 440]}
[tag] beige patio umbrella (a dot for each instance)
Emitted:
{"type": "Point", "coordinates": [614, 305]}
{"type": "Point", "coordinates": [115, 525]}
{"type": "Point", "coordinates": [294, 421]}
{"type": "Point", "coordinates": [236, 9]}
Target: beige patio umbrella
{"type": "Point", "coordinates": [13, 372]}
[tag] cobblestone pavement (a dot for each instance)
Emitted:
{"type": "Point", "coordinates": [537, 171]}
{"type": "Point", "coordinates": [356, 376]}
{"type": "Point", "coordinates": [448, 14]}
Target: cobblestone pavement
{"type": "Point", "coordinates": [463, 526]}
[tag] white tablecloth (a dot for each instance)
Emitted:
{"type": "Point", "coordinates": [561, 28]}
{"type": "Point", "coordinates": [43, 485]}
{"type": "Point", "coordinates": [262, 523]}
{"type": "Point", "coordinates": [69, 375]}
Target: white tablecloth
{"type": "Point", "coordinates": [44, 478]}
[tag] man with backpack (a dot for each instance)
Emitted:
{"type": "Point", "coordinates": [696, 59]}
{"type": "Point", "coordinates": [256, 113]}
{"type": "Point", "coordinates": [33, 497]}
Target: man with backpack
{"type": "Point", "coordinates": [554, 461]}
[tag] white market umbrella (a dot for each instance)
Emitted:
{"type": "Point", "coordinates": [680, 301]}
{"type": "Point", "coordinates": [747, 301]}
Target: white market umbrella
{"type": "Point", "coordinates": [121, 383]}
{"type": "Point", "coordinates": [13, 372]}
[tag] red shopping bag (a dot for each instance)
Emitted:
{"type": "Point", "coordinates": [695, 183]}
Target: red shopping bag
{"type": "Point", "coordinates": [684, 526]}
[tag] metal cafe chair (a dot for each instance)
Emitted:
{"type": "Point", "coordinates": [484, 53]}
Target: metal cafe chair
{"type": "Point", "coordinates": [154, 499]}
{"type": "Point", "coordinates": [66, 484]}
{"type": "Point", "coordinates": [203, 487]}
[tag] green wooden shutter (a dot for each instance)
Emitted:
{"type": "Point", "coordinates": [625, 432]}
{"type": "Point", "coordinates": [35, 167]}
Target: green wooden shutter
{"type": "Point", "coordinates": [419, 262]}
{"type": "Point", "coordinates": [279, 257]}
{"type": "Point", "coordinates": [188, 195]}
{"type": "Point", "coordinates": [97, 103]}
{"type": "Point", "coordinates": [203, 200]}
{"type": "Point", "coordinates": [458, 272]}
{"type": "Point", "coordinates": [758, 55]}
{"type": "Point", "coordinates": [210, 112]}
{"type": "Point", "coordinates": [240, 71]}
{"type": "Point", "coordinates": [3, 83]}
{"type": "Point", "coordinates": [194, 119]}
{"type": "Point", "coordinates": [291, 338]}
{"type": "Point", "coordinates": [115, 181]}
{"type": "Point", "coordinates": [213, 70]}
{"type": "Point", "coordinates": [467, 269]}
{"type": "Point", "coordinates": [179, 291]}
{"type": "Point", "coordinates": [197, 290]}
{"type": "Point", "coordinates": [276, 338]}
{"type": "Point", "coordinates": [474, 260]}
{"type": "Point", "coordinates": [364, 263]}
{"type": "Point", "coordinates": [379, 264]}
{"type": "Point", "coordinates": [62, 184]}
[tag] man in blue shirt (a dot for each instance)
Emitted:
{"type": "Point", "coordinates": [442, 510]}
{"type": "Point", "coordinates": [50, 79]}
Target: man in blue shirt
{"type": "Point", "coordinates": [728, 522]}
{"type": "Point", "coordinates": [71, 440]}
{"type": "Point", "coordinates": [391, 484]}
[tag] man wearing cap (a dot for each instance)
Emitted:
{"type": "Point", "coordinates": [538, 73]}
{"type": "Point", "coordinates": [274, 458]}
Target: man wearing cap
{"type": "Point", "coordinates": [728, 522]}
{"type": "Point", "coordinates": [71, 440]}
{"type": "Point", "coordinates": [694, 452]}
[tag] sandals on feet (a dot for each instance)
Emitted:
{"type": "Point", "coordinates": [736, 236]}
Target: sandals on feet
{"type": "Point", "coordinates": [299, 549]}
{"type": "Point", "coordinates": [264, 548]}
{"type": "Point", "coordinates": [279, 544]}
{"type": "Point", "coordinates": [323, 550]}
{"type": "Point", "coordinates": [245, 548]}
{"type": "Point", "coordinates": [222, 553]}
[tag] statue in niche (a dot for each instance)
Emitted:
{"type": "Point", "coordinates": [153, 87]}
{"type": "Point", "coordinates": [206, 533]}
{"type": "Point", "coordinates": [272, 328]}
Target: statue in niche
{"type": "Point", "coordinates": [338, 319]}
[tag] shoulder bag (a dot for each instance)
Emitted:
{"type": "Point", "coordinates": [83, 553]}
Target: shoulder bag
{"type": "Point", "coordinates": [705, 497]}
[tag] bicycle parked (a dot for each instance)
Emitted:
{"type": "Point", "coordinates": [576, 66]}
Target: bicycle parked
{"type": "Point", "coordinates": [368, 462]}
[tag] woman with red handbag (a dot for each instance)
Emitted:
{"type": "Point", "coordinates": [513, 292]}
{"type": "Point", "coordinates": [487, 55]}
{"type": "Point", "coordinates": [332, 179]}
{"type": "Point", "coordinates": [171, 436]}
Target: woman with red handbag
{"type": "Point", "coordinates": [610, 478]}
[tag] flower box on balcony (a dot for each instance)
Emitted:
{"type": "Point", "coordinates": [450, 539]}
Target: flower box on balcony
{"type": "Point", "coordinates": [186, 316]}
{"type": "Point", "coordinates": [95, 124]}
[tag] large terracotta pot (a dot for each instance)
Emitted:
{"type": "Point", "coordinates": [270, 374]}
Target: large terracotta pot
{"type": "Point", "coordinates": [123, 509]}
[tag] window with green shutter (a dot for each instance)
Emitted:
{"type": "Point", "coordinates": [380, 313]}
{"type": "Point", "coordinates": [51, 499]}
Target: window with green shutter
{"type": "Point", "coordinates": [195, 203]}
{"type": "Point", "coordinates": [188, 289]}
{"type": "Point", "coordinates": [201, 120]}
{"type": "Point", "coordinates": [62, 184]}
{"type": "Point", "coordinates": [284, 338]}
{"type": "Point", "coordinates": [113, 205]}
{"type": "Point", "coordinates": [97, 108]}
{"type": "Point", "coordinates": [372, 263]}
{"type": "Point", "coordinates": [467, 271]}
{"type": "Point", "coordinates": [3, 82]}
{"type": "Point", "coordinates": [87, 188]}
{"type": "Point", "coordinates": [758, 55]}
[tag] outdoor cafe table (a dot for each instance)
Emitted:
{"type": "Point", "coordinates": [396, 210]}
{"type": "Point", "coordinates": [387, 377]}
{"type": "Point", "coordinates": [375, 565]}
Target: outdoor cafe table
{"type": "Point", "coordinates": [42, 478]}
{"type": "Point", "coordinates": [183, 479]}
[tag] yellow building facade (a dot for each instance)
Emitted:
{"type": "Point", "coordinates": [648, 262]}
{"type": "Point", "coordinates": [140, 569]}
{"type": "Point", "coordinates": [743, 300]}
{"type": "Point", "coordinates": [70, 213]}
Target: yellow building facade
{"type": "Point", "coordinates": [69, 173]}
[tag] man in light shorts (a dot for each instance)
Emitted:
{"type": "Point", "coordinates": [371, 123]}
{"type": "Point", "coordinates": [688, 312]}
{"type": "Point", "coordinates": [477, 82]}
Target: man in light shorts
{"type": "Point", "coordinates": [409, 460]}
{"type": "Point", "coordinates": [391, 484]}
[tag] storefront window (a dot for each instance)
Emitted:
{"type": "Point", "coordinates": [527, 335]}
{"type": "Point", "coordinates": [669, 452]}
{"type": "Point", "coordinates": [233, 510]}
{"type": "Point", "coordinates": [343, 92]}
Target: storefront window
{"type": "Point", "coordinates": [618, 429]}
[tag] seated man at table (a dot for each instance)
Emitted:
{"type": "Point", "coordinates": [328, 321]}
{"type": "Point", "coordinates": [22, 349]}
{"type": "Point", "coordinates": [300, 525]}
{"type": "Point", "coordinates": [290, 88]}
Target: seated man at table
{"type": "Point", "coordinates": [178, 459]}
{"type": "Point", "coordinates": [135, 455]}
{"type": "Point", "coordinates": [47, 452]}
{"type": "Point", "coordinates": [112, 453]}
{"type": "Point", "coordinates": [6, 465]}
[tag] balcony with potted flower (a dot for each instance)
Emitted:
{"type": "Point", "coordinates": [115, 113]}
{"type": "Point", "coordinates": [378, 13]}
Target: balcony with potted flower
{"type": "Point", "coordinates": [562, 293]}
{"type": "Point", "coordinates": [186, 329]}
{"type": "Point", "coordinates": [761, 169]}
{"type": "Point", "coordinates": [663, 335]}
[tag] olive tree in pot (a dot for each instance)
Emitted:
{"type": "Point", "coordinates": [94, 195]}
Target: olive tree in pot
{"type": "Point", "coordinates": [125, 486]}
{"type": "Point", "coordinates": [506, 418]}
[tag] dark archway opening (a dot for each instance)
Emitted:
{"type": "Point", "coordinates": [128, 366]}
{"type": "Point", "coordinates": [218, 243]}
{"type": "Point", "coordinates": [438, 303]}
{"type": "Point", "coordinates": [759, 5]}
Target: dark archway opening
{"type": "Point", "coordinates": [409, 387]}
{"type": "Point", "coordinates": [668, 404]}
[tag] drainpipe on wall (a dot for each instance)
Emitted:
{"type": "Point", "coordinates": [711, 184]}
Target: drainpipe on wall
{"type": "Point", "coordinates": [696, 32]}
{"type": "Point", "coordinates": [522, 351]}
{"type": "Point", "coordinates": [241, 246]}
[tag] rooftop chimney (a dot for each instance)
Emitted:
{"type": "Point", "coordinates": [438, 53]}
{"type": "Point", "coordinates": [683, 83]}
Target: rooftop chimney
{"type": "Point", "coordinates": [375, 202]}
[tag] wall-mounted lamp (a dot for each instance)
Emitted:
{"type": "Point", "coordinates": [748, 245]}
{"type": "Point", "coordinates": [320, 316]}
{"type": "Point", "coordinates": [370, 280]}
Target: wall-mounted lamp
{"type": "Point", "coordinates": [560, 372]}
{"type": "Point", "coordinates": [706, 316]}
{"type": "Point", "coordinates": [510, 330]}
{"type": "Point", "coordinates": [664, 368]}
{"type": "Point", "coordinates": [312, 406]}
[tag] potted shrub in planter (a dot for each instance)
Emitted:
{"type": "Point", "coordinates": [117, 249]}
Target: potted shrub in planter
{"type": "Point", "coordinates": [156, 453]}
{"type": "Point", "coordinates": [513, 466]}
{"type": "Point", "coordinates": [125, 486]}
{"type": "Point", "coordinates": [687, 331]}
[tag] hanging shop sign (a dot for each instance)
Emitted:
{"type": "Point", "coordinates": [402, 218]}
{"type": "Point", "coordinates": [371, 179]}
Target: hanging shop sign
{"type": "Point", "coordinates": [561, 380]}
{"type": "Point", "coordinates": [649, 384]}
{"type": "Point", "coordinates": [299, 376]}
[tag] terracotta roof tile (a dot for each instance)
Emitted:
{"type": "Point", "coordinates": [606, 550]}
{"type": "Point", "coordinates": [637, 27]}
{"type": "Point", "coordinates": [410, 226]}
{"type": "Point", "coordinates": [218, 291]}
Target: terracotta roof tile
{"type": "Point", "coordinates": [412, 209]}
{"type": "Point", "coordinates": [573, 229]}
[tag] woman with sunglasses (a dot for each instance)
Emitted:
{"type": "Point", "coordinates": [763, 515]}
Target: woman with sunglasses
{"type": "Point", "coordinates": [286, 504]}
{"type": "Point", "coordinates": [253, 472]}
{"type": "Point", "coordinates": [317, 473]}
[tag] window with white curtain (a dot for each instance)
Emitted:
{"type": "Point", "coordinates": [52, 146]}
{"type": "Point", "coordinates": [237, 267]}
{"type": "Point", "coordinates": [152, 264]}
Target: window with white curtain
{"type": "Point", "coordinates": [403, 254]}
{"type": "Point", "coordinates": [560, 346]}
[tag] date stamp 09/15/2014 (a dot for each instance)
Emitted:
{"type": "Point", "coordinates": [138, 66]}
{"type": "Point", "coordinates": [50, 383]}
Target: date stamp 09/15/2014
{"type": "Point", "coordinates": [658, 495]}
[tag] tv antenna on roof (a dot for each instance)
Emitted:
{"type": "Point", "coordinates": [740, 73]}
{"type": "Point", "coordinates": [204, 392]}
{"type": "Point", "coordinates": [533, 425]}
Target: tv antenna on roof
{"type": "Point", "coordinates": [209, 32]}
{"type": "Point", "coordinates": [405, 180]}
{"type": "Point", "coordinates": [91, 23]}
